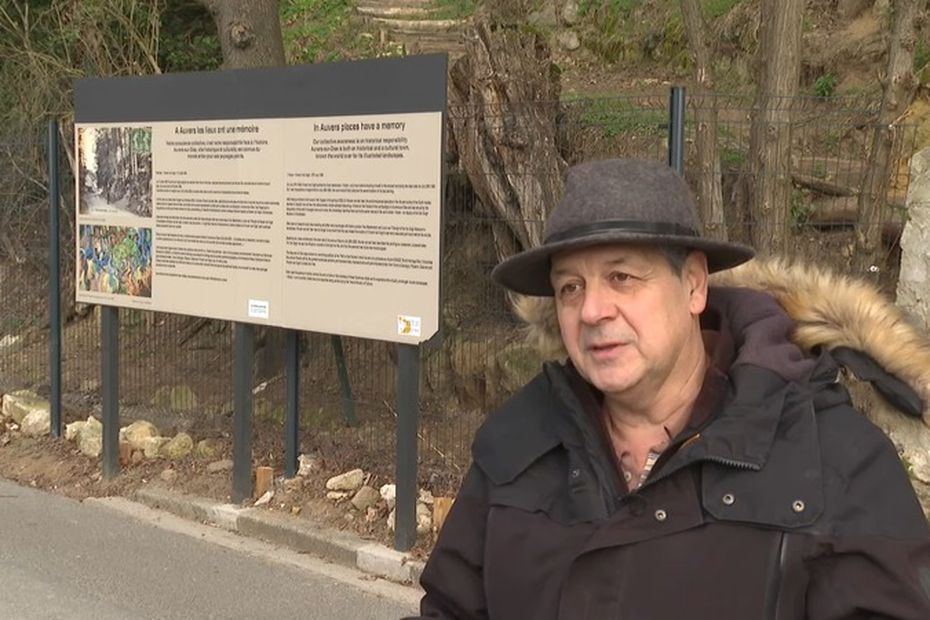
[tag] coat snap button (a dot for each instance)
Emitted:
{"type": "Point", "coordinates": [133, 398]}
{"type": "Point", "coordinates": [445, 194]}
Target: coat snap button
{"type": "Point", "coordinates": [574, 473]}
{"type": "Point", "coordinates": [728, 499]}
{"type": "Point", "coordinates": [661, 515]}
{"type": "Point", "coordinates": [797, 506]}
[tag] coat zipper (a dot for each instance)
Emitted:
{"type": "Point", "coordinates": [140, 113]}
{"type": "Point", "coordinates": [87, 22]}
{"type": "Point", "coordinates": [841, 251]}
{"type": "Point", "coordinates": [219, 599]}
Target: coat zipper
{"type": "Point", "coordinates": [666, 472]}
{"type": "Point", "coordinates": [733, 463]}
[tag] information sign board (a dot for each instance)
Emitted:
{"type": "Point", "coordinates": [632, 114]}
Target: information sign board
{"type": "Point", "coordinates": [302, 197]}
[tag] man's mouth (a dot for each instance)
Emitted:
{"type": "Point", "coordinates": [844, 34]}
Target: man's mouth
{"type": "Point", "coordinates": [603, 348]}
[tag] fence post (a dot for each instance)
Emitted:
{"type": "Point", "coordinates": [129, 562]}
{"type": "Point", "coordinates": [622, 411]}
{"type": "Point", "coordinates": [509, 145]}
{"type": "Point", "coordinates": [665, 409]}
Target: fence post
{"type": "Point", "coordinates": [54, 284]}
{"type": "Point", "coordinates": [676, 129]}
{"type": "Point", "coordinates": [292, 421]}
{"type": "Point", "coordinates": [242, 412]}
{"type": "Point", "coordinates": [109, 352]}
{"type": "Point", "coordinates": [408, 401]}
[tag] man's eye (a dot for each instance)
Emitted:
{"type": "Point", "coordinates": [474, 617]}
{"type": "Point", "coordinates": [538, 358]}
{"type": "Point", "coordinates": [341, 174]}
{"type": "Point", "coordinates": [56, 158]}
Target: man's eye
{"type": "Point", "coordinates": [619, 276]}
{"type": "Point", "coordinates": [568, 289]}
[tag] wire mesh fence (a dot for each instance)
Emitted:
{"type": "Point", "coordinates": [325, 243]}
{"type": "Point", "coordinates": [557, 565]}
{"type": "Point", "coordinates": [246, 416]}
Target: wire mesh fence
{"type": "Point", "coordinates": [177, 370]}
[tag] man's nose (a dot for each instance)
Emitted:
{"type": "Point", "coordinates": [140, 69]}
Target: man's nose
{"type": "Point", "coordinates": [597, 305]}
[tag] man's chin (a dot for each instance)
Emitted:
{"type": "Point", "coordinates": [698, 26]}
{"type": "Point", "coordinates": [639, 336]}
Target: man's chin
{"type": "Point", "coordinates": [612, 385]}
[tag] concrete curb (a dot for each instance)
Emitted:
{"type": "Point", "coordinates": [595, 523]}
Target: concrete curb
{"type": "Point", "coordinates": [297, 534]}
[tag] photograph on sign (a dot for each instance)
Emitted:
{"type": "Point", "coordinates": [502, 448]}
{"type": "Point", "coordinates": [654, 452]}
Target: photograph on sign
{"type": "Point", "coordinates": [115, 260]}
{"type": "Point", "coordinates": [115, 170]}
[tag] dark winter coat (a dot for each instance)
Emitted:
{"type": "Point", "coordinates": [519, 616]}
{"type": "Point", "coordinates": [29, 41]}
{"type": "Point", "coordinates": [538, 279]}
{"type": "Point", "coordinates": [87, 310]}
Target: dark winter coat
{"type": "Point", "coordinates": [784, 503]}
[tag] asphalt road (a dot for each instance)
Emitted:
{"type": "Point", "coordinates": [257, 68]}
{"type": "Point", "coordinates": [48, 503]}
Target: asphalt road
{"type": "Point", "coordinates": [113, 559]}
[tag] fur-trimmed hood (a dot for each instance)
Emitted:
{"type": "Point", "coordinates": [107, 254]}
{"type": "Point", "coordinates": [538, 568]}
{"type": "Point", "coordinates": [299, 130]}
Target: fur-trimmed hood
{"type": "Point", "coordinates": [830, 311]}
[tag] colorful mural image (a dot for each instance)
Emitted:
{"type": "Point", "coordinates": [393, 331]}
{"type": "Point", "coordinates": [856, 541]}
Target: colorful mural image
{"type": "Point", "coordinates": [115, 259]}
{"type": "Point", "coordinates": [115, 170]}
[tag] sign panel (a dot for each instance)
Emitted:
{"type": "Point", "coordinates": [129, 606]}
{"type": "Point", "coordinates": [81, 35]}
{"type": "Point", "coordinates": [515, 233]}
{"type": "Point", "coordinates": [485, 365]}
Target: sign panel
{"type": "Point", "coordinates": [315, 207]}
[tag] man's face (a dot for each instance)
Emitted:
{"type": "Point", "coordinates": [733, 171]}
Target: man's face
{"type": "Point", "coordinates": [625, 316]}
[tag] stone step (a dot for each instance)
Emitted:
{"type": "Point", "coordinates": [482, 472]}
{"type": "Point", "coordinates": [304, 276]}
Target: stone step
{"type": "Point", "coordinates": [427, 47]}
{"type": "Point", "coordinates": [396, 5]}
{"type": "Point", "coordinates": [394, 12]}
{"type": "Point", "coordinates": [431, 45]}
{"type": "Point", "coordinates": [413, 26]}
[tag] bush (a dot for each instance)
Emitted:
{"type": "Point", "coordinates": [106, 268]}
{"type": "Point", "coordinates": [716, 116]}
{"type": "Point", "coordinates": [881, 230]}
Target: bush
{"type": "Point", "coordinates": [825, 85]}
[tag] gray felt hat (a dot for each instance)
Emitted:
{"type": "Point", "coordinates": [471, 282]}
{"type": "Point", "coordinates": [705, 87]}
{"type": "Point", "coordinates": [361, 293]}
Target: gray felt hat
{"type": "Point", "coordinates": [617, 201]}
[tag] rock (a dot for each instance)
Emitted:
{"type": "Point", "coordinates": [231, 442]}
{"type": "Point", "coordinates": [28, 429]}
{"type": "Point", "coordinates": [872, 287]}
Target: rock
{"type": "Point", "coordinates": [569, 40]}
{"type": "Point", "coordinates": [137, 432]}
{"type": "Point", "coordinates": [389, 495]}
{"type": "Point", "coordinates": [37, 422]}
{"type": "Point", "coordinates": [308, 464]}
{"type": "Point", "coordinates": [219, 466]}
{"type": "Point", "coordinates": [207, 449]}
{"type": "Point", "coordinates": [19, 404]}
{"type": "Point", "coordinates": [295, 510]}
{"type": "Point", "coordinates": [425, 497]}
{"type": "Point", "coordinates": [137, 457]}
{"type": "Point", "coordinates": [152, 446]}
{"type": "Point", "coordinates": [90, 439]}
{"type": "Point", "coordinates": [570, 14]}
{"type": "Point", "coordinates": [177, 447]}
{"type": "Point", "coordinates": [365, 498]}
{"type": "Point", "coordinates": [337, 496]}
{"type": "Point", "coordinates": [90, 443]}
{"type": "Point", "coordinates": [424, 519]}
{"type": "Point", "coordinates": [169, 475]}
{"type": "Point", "coordinates": [545, 17]}
{"type": "Point", "coordinates": [372, 514]}
{"type": "Point", "coordinates": [265, 498]}
{"type": "Point", "coordinates": [349, 481]}
{"type": "Point", "coordinates": [73, 430]}
{"type": "Point", "coordinates": [8, 341]}
{"type": "Point", "coordinates": [93, 425]}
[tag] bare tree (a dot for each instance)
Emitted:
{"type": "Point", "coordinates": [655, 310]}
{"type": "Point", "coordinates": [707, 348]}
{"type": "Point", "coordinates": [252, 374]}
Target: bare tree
{"type": "Point", "coordinates": [250, 36]}
{"type": "Point", "coordinates": [710, 193]}
{"type": "Point", "coordinates": [899, 86]}
{"type": "Point", "coordinates": [779, 62]}
{"type": "Point", "coordinates": [249, 32]}
{"type": "Point", "coordinates": [504, 105]}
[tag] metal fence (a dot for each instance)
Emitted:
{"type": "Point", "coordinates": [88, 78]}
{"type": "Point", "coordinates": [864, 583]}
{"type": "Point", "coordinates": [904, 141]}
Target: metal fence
{"type": "Point", "coordinates": [176, 371]}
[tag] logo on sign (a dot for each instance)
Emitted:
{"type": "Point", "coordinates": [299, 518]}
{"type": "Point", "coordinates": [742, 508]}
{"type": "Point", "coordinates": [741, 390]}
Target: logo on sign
{"type": "Point", "coordinates": [408, 325]}
{"type": "Point", "coordinates": [258, 309]}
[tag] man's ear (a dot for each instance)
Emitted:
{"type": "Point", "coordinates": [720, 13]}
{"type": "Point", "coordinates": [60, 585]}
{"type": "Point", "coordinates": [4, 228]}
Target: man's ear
{"type": "Point", "coordinates": [694, 277]}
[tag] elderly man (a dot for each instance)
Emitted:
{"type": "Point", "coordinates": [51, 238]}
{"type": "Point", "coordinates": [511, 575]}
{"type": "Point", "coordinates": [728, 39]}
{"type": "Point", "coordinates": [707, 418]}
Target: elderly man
{"type": "Point", "coordinates": [688, 460]}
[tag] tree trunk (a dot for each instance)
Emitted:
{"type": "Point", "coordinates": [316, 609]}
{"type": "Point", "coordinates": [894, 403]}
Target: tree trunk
{"type": "Point", "coordinates": [779, 57]}
{"type": "Point", "coordinates": [249, 32]}
{"type": "Point", "coordinates": [899, 89]}
{"type": "Point", "coordinates": [503, 107]}
{"type": "Point", "coordinates": [250, 37]}
{"type": "Point", "coordinates": [710, 192]}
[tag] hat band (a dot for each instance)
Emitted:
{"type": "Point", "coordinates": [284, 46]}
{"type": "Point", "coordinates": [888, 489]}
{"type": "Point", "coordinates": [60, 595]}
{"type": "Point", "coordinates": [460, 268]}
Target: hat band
{"type": "Point", "coordinates": [630, 226]}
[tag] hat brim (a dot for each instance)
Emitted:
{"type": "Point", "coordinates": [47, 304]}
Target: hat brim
{"type": "Point", "coordinates": [528, 272]}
